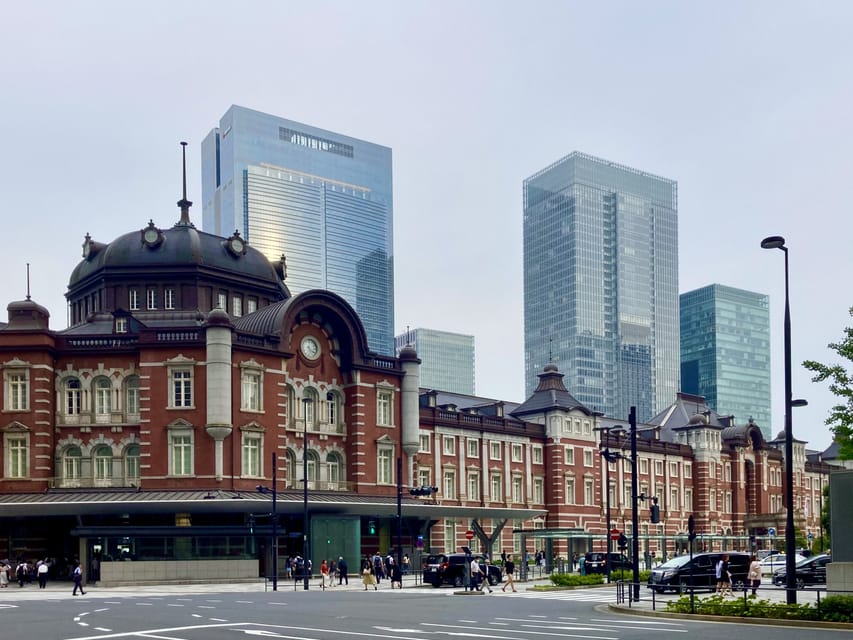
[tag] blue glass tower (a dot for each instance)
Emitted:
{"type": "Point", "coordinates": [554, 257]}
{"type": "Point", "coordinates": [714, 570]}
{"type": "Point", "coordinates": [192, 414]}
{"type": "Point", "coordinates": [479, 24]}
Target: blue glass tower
{"type": "Point", "coordinates": [601, 283]}
{"type": "Point", "coordinates": [447, 359]}
{"type": "Point", "coordinates": [321, 199]}
{"type": "Point", "coordinates": [725, 351]}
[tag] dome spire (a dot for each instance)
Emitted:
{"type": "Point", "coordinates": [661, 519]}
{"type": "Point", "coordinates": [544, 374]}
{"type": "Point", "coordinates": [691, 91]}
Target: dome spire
{"type": "Point", "coordinates": [183, 203]}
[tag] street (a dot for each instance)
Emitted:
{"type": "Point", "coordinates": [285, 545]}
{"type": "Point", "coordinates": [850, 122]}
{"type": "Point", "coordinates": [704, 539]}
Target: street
{"type": "Point", "coordinates": [212, 613]}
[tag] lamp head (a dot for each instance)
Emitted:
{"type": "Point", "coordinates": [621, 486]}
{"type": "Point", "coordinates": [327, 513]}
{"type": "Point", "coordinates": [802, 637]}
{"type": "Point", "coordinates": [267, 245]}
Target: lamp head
{"type": "Point", "coordinates": [773, 242]}
{"type": "Point", "coordinates": [799, 402]}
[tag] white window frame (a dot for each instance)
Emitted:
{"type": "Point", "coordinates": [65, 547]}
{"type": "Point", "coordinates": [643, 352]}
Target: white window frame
{"type": "Point", "coordinates": [181, 392]}
{"type": "Point", "coordinates": [448, 484]}
{"type": "Point", "coordinates": [473, 485]}
{"type": "Point", "coordinates": [569, 456]}
{"type": "Point", "coordinates": [588, 458]}
{"type": "Point", "coordinates": [131, 464]}
{"type": "Point", "coordinates": [688, 469]}
{"type": "Point", "coordinates": [236, 306]}
{"type": "Point", "coordinates": [588, 491]}
{"type": "Point", "coordinates": [538, 490]}
{"type": "Point", "coordinates": [570, 490]}
{"type": "Point", "coordinates": [16, 464]}
{"type": "Point", "coordinates": [181, 452]}
{"type": "Point", "coordinates": [102, 465]}
{"type": "Point", "coordinates": [424, 443]}
{"type": "Point", "coordinates": [151, 298]}
{"type": "Point", "coordinates": [131, 397]}
{"type": "Point", "coordinates": [72, 465]}
{"type": "Point", "coordinates": [169, 298]}
{"type": "Point", "coordinates": [517, 489]}
{"type": "Point", "coordinates": [103, 392]}
{"type": "Point", "coordinates": [673, 469]}
{"type": "Point", "coordinates": [384, 407]}
{"type": "Point", "coordinates": [73, 396]}
{"type": "Point", "coordinates": [472, 447]}
{"type": "Point", "coordinates": [251, 389]}
{"type": "Point", "coordinates": [133, 299]}
{"type": "Point", "coordinates": [424, 477]}
{"type": "Point", "coordinates": [251, 304]}
{"type": "Point", "coordinates": [121, 325]}
{"type": "Point", "coordinates": [495, 449]}
{"type": "Point", "coordinates": [537, 454]}
{"type": "Point", "coordinates": [644, 466]}
{"type": "Point", "coordinates": [252, 453]}
{"type": "Point", "coordinates": [516, 452]}
{"type": "Point", "coordinates": [448, 445]}
{"type": "Point", "coordinates": [17, 392]}
{"type": "Point", "coordinates": [496, 487]}
{"type": "Point", "coordinates": [222, 301]}
{"type": "Point", "coordinates": [385, 464]}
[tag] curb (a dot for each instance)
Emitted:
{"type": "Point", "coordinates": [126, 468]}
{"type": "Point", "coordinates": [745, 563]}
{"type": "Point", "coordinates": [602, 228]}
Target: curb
{"type": "Point", "coordinates": [770, 622]}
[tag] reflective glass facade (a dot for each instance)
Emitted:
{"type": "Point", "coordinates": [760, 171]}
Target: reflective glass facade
{"type": "Point", "coordinates": [725, 352]}
{"type": "Point", "coordinates": [601, 283]}
{"type": "Point", "coordinates": [321, 199]}
{"type": "Point", "coordinates": [447, 359]}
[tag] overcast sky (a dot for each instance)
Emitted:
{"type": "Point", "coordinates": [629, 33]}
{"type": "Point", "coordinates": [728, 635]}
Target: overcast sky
{"type": "Point", "coordinates": [746, 104]}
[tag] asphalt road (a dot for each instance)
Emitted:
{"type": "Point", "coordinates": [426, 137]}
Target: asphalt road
{"type": "Point", "coordinates": [410, 614]}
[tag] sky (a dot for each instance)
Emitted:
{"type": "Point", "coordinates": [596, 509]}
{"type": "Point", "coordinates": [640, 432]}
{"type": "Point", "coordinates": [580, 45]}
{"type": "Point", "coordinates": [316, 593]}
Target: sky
{"type": "Point", "coordinates": [747, 105]}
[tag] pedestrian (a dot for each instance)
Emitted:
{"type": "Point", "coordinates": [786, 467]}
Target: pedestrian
{"type": "Point", "coordinates": [4, 575]}
{"type": "Point", "coordinates": [484, 572]}
{"type": "Point", "coordinates": [342, 571]}
{"type": "Point", "coordinates": [77, 575]}
{"type": "Point", "coordinates": [41, 571]}
{"type": "Point", "coordinates": [475, 575]}
{"type": "Point", "coordinates": [378, 571]}
{"type": "Point", "coordinates": [396, 576]}
{"type": "Point", "coordinates": [509, 570]}
{"type": "Point", "coordinates": [754, 575]}
{"type": "Point", "coordinates": [724, 579]}
{"type": "Point", "coordinates": [324, 573]}
{"type": "Point", "coordinates": [21, 573]}
{"type": "Point", "coordinates": [367, 576]}
{"type": "Point", "coordinates": [333, 571]}
{"type": "Point", "coordinates": [405, 564]}
{"type": "Point", "coordinates": [582, 564]}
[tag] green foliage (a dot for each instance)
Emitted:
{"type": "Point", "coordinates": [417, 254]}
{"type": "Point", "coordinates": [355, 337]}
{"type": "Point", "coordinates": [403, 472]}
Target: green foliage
{"type": "Point", "coordinates": [840, 418]}
{"type": "Point", "coordinates": [628, 576]}
{"type": "Point", "coordinates": [825, 521]}
{"type": "Point", "coordinates": [575, 579]}
{"type": "Point", "coordinates": [832, 608]}
{"type": "Point", "coordinates": [837, 608]}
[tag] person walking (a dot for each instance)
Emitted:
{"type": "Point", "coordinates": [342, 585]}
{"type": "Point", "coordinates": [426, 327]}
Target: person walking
{"type": "Point", "coordinates": [77, 576]}
{"type": "Point", "coordinates": [324, 574]}
{"type": "Point", "coordinates": [509, 570]}
{"type": "Point", "coordinates": [41, 572]}
{"type": "Point", "coordinates": [475, 575]}
{"type": "Point", "coordinates": [4, 575]}
{"type": "Point", "coordinates": [754, 575]}
{"type": "Point", "coordinates": [484, 573]}
{"type": "Point", "coordinates": [342, 571]}
{"type": "Point", "coordinates": [367, 576]}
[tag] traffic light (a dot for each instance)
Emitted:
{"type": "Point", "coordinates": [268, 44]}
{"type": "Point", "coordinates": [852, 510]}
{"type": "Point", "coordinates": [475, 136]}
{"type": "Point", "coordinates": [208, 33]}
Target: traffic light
{"type": "Point", "coordinates": [655, 511]}
{"type": "Point", "coordinates": [623, 541]}
{"type": "Point", "coordinates": [371, 527]}
{"type": "Point", "coordinates": [251, 524]}
{"type": "Point", "coordinates": [423, 491]}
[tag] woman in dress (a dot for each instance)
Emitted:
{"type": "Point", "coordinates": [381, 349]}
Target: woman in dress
{"type": "Point", "coordinates": [754, 575]}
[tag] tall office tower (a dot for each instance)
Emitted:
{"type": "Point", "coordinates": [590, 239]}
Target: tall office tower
{"type": "Point", "coordinates": [725, 351]}
{"type": "Point", "coordinates": [601, 283]}
{"type": "Point", "coordinates": [447, 359]}
{"type": "Point", "coordinates": [321, 199]}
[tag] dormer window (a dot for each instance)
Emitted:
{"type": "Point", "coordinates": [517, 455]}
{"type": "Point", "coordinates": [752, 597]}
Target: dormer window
{"type": "Point", "coordinates": [121, 325]}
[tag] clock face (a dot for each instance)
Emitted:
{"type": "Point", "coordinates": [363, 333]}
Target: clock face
{"type": "Point", "coordinates": [151, 236]}
{"type": "Point", "coordinates": [310, 347]}
{"type": "Point", "coordinates": [237, 245]}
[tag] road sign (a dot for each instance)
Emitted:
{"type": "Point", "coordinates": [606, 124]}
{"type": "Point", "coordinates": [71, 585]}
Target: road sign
{"type": "Point", "coordinates": [810, 536]}
{"type": "Point", "coordinates": [469, 535]}
{"type": "Point", "coordinates": [614, 534]}
{"type": "Point", "coordinates": [771, 531]}
{"type": "Point", "coordinates": [419, 543]}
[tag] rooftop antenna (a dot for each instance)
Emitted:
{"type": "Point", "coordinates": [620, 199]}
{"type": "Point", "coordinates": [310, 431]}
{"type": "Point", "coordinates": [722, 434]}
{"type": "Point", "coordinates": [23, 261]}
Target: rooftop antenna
{"type": "Point", "coordinates": [28, 281]}
{"type": "Point", "coordinates": [183, 203]}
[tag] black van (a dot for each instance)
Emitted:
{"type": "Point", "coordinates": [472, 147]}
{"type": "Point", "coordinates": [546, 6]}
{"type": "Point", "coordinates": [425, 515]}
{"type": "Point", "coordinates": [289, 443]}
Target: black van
{"type": "Point", "coordinates": [674, 574]}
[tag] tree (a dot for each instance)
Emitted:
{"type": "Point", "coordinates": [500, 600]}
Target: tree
{"type": "Point", "coordinates": [840, 418]}
{"type": "Point", "coordinates": [825, 521]}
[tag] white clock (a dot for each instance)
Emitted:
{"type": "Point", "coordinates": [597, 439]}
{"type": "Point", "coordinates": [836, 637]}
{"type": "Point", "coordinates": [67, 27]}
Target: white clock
{"type": "Point", "coordinates": [310, 347]}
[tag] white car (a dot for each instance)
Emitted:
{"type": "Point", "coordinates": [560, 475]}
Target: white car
{"type": "Point", "coordinates": [777, 561]}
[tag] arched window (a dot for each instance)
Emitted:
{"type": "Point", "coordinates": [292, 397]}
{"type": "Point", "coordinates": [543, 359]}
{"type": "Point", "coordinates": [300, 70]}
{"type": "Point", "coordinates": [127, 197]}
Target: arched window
{"type": "Point", "coordinates": [291, 406]}
{"type": "Point", "coordinates": [313, 469]}
{"type": "Point", "coordinates": [333, 409]}
{"type": "Point", "coordinates": [72, 397]}
{"type": "Point", "coordinates": [103, 399]}
{"type": "Point", "coordinates": [309, 408]}
{"type": "Point", "coordinates": [131, 465]}
{"type": "Point", "coordinates": [72, 465]}
{"type": "Point", "coordinates": [131, 393]}
{"type": "Point", "coordinates": [290, 471]}
{"type": "Point", "coordinates": [334, 466]}
{"type": "Point", "coordinates": [102, 464]}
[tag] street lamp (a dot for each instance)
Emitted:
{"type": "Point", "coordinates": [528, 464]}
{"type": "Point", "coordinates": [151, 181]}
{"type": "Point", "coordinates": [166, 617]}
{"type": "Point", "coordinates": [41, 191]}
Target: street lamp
{"type": "Point", "coordinates": [609, 456]}
{"type": "Point", "coordinates": [778, 242]}
{"type": "Point", "coordinates": [266, 490]}
{"type": "Point", "coordinates": [305, 546]}
{"type": "Point", "coordinates": [635, 507]}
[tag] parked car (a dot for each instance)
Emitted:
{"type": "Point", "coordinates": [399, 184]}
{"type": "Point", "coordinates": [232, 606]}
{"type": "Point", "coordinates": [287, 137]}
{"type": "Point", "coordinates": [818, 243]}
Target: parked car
{"type": "Point", "coordinates": [596, 562]}
{"type": "Point", "coordinates": [450, 569]}
{"type": "Point", "coordinates": [777, 561]}
{"type": "Point", "coordinates": [810, 571]}
{"type": "Point", "coordinates": [675, 574]}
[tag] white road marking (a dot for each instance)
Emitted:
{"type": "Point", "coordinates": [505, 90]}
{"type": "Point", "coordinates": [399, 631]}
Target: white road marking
{"type": "Point", "coordinates": [102, 629]}
{"type": "Point", "coordinates": [538, 633]}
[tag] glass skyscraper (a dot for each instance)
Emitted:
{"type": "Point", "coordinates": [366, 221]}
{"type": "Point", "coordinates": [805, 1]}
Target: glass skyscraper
{"type": "Point", "coordinates": [601, 283]}
{"type": "Point", "coordinates": [321, 199]}
{"type": "Point", "coordinates": [725, 351]}
{"type": "Point", "coordinates": [447, 359]}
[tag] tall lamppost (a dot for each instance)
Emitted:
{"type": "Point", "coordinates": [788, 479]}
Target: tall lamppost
{"type": "Point", "coordinates": [266, 490]}
{"type": "Point", "coordinates": [778, 242]}
{"type": "Point", "coordinates": [306, 402]}
{"type": "Point", "coordinates": [609, 456]}
{"type": "Point", "coordinates": [635, 507]}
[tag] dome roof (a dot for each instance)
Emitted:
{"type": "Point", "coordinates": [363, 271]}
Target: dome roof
{"type": "Point", "coordinates": [182, 244]}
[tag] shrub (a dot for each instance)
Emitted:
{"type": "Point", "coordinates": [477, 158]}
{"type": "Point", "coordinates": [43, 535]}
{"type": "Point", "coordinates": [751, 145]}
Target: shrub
{"type": "Point", "coordinates": [837, 608]}
{"type": "Point", "coordinates": [717, 605]}
{"type": "Point", "coordinates": [575, 579]}
{"type": "Point", "coordinates": [628, 576]}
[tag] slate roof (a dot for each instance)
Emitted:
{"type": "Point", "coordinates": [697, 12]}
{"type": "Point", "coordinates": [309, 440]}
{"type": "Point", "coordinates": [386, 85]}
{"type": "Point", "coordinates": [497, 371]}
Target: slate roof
{"type": "Point", "coordinates": [550, 394]}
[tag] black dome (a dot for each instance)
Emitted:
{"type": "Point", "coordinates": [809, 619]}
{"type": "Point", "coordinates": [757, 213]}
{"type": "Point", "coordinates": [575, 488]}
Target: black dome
{"type": "Point", "coordinates": [183, 244]}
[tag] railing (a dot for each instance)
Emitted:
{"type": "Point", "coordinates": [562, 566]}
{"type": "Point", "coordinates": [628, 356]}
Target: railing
{"type": "Point", "coordinates": [321, 485]}
{"type": "Point", "coordinates": [93, 483]}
